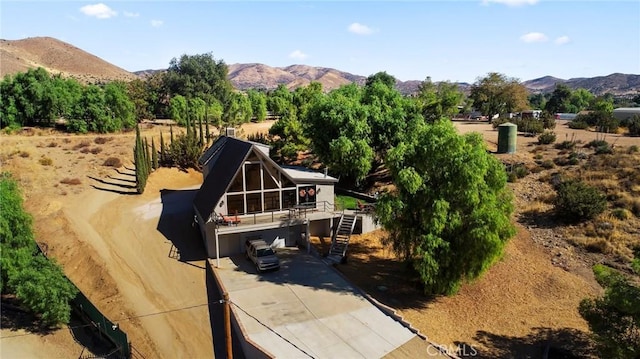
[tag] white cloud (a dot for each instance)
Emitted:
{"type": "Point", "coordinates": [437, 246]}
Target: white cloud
{"type": "Point", "coordinates": [156, 23]}
{"type": "Point", "coordinates": [360, 29]}
{"type": "Point", "coordinates": [562, 40]}
{"type": "Point", "coordinates": [100, 11]}
{"type": "Point", "coordinates": [298, 55]}
{"type": "Point", "coordinates": [131, 14]}
{"type": "Point", "coordinates": [511, 3]}
{"type": "Point", "coordinates": [534, 37]}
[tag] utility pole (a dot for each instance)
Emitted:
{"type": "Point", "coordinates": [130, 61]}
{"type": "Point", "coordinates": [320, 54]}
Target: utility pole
{"type": "Point", "coordinates": [227, 324]}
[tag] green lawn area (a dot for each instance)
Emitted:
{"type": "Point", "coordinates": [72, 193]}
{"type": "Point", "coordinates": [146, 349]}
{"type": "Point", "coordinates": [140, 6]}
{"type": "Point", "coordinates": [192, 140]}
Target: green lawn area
{"type": "Point", "coordinates": [346, 202]}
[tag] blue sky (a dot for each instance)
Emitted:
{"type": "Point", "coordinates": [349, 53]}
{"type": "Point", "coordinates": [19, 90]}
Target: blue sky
{"type": "Point", "coordinates": [446, 40]}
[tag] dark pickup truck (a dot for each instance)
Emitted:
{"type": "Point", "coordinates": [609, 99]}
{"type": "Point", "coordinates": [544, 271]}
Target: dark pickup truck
{"type": "Point", "coordinates": [262, 256]}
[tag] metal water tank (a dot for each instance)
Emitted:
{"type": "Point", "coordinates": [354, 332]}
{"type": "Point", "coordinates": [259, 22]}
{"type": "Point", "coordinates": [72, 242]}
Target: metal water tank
{"type": "Point", "coordinates": [507, 135]}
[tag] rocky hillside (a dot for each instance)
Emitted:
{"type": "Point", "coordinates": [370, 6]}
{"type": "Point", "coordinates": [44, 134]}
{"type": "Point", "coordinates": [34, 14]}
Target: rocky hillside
{"type": "Point", "coordinates": [60, 57]}
{"type": "Point", "coordinates": [617, 84]}
{"type": "Point", "coordinates": [57, 57]}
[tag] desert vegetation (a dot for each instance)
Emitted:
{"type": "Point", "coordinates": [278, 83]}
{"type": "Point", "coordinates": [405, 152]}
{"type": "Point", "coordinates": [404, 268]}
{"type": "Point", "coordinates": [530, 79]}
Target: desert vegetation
{"type": "Point", "coordinates": [36, 282]}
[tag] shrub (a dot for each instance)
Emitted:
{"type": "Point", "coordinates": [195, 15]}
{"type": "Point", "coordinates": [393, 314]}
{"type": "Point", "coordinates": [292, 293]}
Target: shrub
{"type": "Point", "coordinates": [608, 125]}
{"type": "Point", "coordinates": [529, 125]}
{"type": "Point", "coordinates": [577, 201]}
{"type": "Point", "coordinates": [566, 145]}
{"type": "Point", "coordinates": [96, 150]}
{"type": "Point", "coordinates": [102, 140]}
{"type": "Point", "coordinates": [621, 214]}
{"type": "Point", "coordinates": [46, 161]}
{"type": "Point", "coordinates": [549, 122]}
{"type": "Point", "coordinates": [633, 125]}
{"type": "Point", "coordinates": [52, 144]}
{"type": "Point", "coordinates": [24, 154]}
{"type": "Point", "coordinates": [71, 181]}
{"type": "Point", "coordinates": [512, 177]}
{"type": "Point", "coordinates": [547, 164]}
{"type": "Point", "coordinates": [632, 149]}
{"type": "Point", "coordinates": [112, 162]}
{"type": "Point", "coordinates": [578, 125]}
{"type": "Point", "coordinates": [82, 145]}
{"type": "Point", "coordinates": [499, 121]}
{"type": "Point", "coordinates": [520, 170]}
{"type": "Point", "coordinates": [547, 137]}
{"type": "Point", "coordinates": [613, 318]}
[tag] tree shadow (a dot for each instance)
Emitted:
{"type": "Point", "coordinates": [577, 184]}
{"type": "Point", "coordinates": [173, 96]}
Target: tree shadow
{"type": "Point", "coordinates": [122, 179]}
{"type": "Point", "coordinates": [216, 319]}
{"type": "Point", "coordinates": [83, 332]}
{"type": "Point", "coordinates": [113, 183]}
{"type": "Point", "coordinates": [546, 220]}
{"type": "Point", "coordinates": [177, 225]}
{"type": "Point", "coordinates": [125, 173]}
{"type": "Point", "coordinates": [14, 317]}
{"type": "Point", "coordinates": [114, 190]}
{"type": "Point", "coordinates": [564, 343]}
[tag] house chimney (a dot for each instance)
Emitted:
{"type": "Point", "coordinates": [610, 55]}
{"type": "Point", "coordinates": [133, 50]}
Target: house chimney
{"type": "Point", "coordinates": [325, 172]}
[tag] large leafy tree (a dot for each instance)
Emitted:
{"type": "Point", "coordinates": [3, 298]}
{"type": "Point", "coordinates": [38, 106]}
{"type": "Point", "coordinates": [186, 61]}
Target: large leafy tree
{"type": "Point", "coordinates": [120, 108]}
{"type": "Point", "coordinates": [258, 100]}
{"type": "Point", "coordinates": [38, 283]}
{"type": "Point", "coordinates": [614, 318]}
{"type": "Point", "coordinates": [340, 133]}
{"type": "Point", "coordinates": [449, 216]}
{"type": "Point", "coordinates": [200, 76]}
{"type": "Point", "coordinates": [497, 94]}
{"type": "Point", "coordinates": [559, 100]}
{"type": "Point", "coordinates": [440, 100]}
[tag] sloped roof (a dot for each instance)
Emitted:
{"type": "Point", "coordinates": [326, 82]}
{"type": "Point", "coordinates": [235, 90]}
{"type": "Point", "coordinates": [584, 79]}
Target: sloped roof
{"type": "Point", "coordinates": [223, 162]}
{"type": "Point", "coordinates": [299, 174]}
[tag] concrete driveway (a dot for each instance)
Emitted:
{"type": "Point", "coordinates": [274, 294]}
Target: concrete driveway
{"type": "Point", "coordinates": [306, 309]}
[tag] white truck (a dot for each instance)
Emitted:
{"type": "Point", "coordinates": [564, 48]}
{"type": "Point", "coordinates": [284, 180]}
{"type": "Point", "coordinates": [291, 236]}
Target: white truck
{"type": "Point", "coordinates": [262, 256]}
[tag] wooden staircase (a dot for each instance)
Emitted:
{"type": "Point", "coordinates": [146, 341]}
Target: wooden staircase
{"type": "Point", "coordinates": [340, 238]}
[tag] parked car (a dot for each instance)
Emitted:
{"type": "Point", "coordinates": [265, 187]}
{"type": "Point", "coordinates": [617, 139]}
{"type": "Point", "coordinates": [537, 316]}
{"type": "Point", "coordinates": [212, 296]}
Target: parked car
{"type": "Point", "coordinates": [262, 255]}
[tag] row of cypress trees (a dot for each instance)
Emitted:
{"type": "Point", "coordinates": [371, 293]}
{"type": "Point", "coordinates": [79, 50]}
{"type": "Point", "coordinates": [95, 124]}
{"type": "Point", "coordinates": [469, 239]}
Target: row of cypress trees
{"type": "Point", "coordinates": [182, 151]}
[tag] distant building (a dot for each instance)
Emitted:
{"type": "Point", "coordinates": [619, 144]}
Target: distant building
{"type": "Point", "coordinates": [624, 113]}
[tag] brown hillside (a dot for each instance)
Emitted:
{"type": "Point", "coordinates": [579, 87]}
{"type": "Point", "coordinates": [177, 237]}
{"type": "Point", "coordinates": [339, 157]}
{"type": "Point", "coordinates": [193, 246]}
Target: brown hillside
{"type": "Point", "coordinates": [57, 57]}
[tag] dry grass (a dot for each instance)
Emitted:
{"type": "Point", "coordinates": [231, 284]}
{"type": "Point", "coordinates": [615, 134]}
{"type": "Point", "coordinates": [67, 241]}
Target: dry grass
{"type": "Point", "coordinates": [45, 161]}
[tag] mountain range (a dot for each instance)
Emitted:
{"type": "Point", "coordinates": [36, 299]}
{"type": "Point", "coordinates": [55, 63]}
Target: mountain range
{"type": "Point", "coordinates": [60, 57]}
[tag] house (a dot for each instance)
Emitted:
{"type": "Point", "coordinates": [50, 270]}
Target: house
{"type": "Point", "coordinates": [245, 194]}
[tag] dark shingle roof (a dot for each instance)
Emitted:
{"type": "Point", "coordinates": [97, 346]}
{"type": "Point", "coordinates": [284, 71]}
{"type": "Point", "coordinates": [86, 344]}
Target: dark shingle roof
{"type": "Point", "coordinates": [223, 163]}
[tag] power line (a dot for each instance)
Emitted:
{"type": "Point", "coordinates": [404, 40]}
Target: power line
{"type": "Point", "coordinates": [270, 329]}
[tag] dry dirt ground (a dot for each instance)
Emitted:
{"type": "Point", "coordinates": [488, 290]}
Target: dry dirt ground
{"type": "Point", "coordinates": [137, 258]}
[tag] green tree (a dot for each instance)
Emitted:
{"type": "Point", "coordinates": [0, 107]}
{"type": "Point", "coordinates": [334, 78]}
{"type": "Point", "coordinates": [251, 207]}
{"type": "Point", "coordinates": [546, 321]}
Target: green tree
{"type": "Point", "coordinates": [178, 109]}
{"type": "Point", "coordinates": [39, 284]}
{"type": "Point", "coordinates": [449, 216]}
{"type": "Point", "coordinates": [382, 77]}
{"type": "Point", "coordinates": [559, 100]}
{"type": "Point", "coordinates": [280, 100]}
{"type": "Point", "coordinates": [120, 108]}
{"type": "Point", "coordinates": [198, 76]}
{"type": "Point", "coordinates": [258, 102]}
{"type": "Point", "coordinates": [579, 100]}
{"type": "Point", "coordinates": [289, 138]}
{"type": "Point", "coordinates": [497, 94]}
{"type": "Point", "coordinates": [340, 133]}
{"type": "Point", "coordinates": [614, 318]}
{"type": "Point", "coordinates": [438, 101]}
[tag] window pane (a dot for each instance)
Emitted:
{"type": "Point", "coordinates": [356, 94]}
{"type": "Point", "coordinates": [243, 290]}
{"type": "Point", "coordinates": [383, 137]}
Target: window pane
{"type": "Point", "coordinates": [236, 186]}
{"type": "Point", "coordinates": [271, 201]}
{"type": "Point", "coordinates": [254, 202]}
{"type": "Point", "coordinates": [288, 198]}
{"type": "Point", "coordinates": [269, 183]}
{"type": "Point", "coordinates": [235, 204]}
{"type": "Point", "coordinates": [252, 172]}
{"type": "Point", "coordinates": [307, 194]}
{"type": "Point", "coordinates": [286, 182]}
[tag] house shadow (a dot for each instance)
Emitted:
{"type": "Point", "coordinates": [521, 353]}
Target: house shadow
{"type": "Point", "coordinates": [297, 267]}
{"type": "Point", "coordinates": [216, 319]}
{"type": "Point", "coordinates": [562, 343]}
{"type": "Point", "coordinates": [177, 225]}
